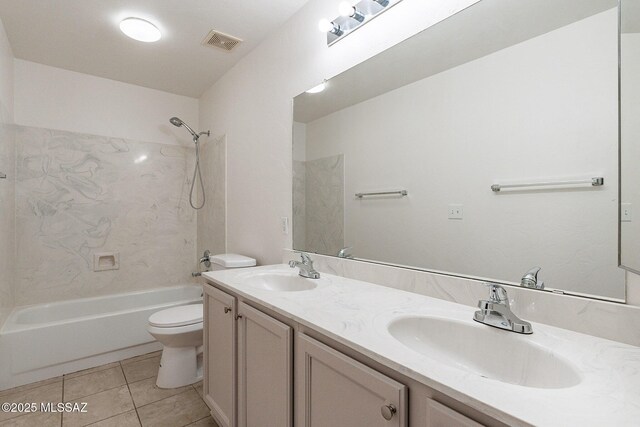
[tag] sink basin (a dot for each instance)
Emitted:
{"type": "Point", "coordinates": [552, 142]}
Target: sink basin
{"type": "Point", "coordinates": [281, 282]}
{"type": "Point", "coordinates": [485, 351]}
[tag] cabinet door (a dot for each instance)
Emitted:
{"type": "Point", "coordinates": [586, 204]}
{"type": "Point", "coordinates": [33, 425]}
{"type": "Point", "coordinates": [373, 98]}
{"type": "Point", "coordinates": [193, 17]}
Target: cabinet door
{"type": "Point", "coordinates": [264, 370]}
{"type": "Point", "coordinates": [220, 355]}
{"type": "Point", "coordinates": [335, 390]}
{"type": "Point", "coordinates": [439, 415]}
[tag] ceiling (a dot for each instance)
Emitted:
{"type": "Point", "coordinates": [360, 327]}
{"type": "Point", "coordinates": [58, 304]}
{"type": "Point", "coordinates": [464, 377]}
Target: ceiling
{"type": "Point", "coordinates": [84, 36]}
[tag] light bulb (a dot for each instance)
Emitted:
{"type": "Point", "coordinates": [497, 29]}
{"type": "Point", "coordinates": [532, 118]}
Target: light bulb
{"type": "Point", "coordinates": [325, 25]}
{"type": "Point", "coordinates": [346, 9]}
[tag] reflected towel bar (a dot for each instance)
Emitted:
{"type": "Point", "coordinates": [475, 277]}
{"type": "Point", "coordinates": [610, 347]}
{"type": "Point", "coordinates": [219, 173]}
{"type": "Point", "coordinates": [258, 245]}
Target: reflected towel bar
{"type": "Point", "coordinates": [595, 182]}
{"type": "Point", "coordinates": [401, 193]}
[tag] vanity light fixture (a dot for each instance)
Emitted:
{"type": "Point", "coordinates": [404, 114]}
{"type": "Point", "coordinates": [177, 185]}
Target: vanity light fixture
{"type": "Point", "coordinates": [141, 30]}
{"type": "Point", "coordinates": [317, 89]}
{"type": "Point", "coordinates": [349, 11]}
{"type": "Point", "coordinates": [353, 17]}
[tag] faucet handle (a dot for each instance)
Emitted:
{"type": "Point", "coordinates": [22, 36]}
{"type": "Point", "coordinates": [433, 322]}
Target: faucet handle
{"type": "Point", "coordinates": [497, 293]}
{"type": "Point", "coordinates": [306, 259]}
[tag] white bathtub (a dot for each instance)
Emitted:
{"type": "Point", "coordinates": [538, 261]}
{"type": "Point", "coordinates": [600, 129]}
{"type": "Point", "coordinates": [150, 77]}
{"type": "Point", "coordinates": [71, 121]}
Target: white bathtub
{"type": "Point", "coordinates": [46, 340]}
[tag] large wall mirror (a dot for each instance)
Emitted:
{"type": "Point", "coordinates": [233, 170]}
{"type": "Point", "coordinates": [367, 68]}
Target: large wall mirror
{"type": "Point", "coordinates": [493, 138]}
{"type": "Point", "coordinates": [630, 134]}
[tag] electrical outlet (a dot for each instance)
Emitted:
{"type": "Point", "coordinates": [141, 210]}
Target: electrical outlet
{"type": "Point", "coordinates": [284, 224]}
{"type": "Point", "coordinates": [456, 211]}
{"type": "Point", "coordinates": [625, 212]}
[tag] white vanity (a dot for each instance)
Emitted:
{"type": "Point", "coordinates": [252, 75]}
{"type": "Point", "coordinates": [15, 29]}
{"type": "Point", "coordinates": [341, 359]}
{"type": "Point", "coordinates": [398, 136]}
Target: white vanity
{"type": "Point", "coordinates": [284, 350]}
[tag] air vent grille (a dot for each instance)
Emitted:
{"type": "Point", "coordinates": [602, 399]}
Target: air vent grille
{"type": "Point", "coordinates": [221, 40]}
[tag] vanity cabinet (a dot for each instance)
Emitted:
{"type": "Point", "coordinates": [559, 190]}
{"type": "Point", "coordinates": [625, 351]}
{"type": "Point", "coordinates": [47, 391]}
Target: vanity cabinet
{"type": "Point", "coordinates": [247, 365]}
{"type": "Point", "coordinates": [258, 363]}
{"type": "Point", "coordinates": [220, 355]}
{"type": "Point", "coordinates": [264, 369]}
{"type": "Point", "coordinates": [336, 390]}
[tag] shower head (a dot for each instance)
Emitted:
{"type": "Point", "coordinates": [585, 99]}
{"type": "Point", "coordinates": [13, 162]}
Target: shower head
{"type": "Point", "coordinates": [178, 123]}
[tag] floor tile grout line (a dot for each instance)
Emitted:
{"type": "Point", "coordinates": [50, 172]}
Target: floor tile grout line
{"type": "Point", "coordinates": [165, 398]}
{"type": "Point", "coordinates": [93, 371]}
{"type": "Point", "coordinates": [133, 402]}
{"type": "Point", "coordinates": [98, 392]}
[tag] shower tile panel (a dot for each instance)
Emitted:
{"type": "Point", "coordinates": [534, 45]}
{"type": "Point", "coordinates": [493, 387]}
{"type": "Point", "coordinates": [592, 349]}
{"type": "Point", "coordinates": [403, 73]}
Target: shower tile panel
{"type": "Point", "coordinates": [211, 218]}
{"type": "Point", "coordinates": [79, 194]}
{"type": "Point", "coordinates": [7, 219]}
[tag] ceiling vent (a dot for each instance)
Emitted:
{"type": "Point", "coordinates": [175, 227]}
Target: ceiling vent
{"type": "Point", "coordinates": [221, 40]}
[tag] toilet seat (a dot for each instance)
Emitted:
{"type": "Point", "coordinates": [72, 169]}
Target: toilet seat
{"type": "Point", "coordinates": [183, 315]}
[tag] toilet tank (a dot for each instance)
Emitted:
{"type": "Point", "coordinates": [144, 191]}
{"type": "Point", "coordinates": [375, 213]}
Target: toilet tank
{"type": "Point", "coordinates": [228, 261]}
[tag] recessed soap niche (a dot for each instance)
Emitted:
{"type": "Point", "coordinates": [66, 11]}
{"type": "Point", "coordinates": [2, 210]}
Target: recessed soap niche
{"type": "Point", "coordinates": [103, 261]}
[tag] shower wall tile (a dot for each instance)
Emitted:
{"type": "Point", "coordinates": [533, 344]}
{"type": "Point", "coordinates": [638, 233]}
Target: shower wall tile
{"type": "Point", "coordinates": [79, 194]}
{"type": "Point", "coordinates": [324, 202]}
{"type": "Point", "coordinates": [299, 205]}
{"type": "Point", "coordinates": [211, 218]}
{"type": "Point", "coordinates": [7, 219]}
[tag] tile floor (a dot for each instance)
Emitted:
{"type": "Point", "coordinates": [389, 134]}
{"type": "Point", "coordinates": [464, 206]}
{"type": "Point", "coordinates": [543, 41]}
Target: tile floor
{"type": "Point", "coordinates": [120, 394]}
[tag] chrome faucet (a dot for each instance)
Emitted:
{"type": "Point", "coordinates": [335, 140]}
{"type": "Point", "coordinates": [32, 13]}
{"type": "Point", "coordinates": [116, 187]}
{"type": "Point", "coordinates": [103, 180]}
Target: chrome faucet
{"type": "Point", "coordinates": [530, 279]}
{"type": "Point", "coordinates": [306, 266]}
{"type": "Point", "coordinates": [345, 252]}
{"type": "Point", "coordinates": [206, 260]}
{"type": "Point", "coordinates": [496, 312]}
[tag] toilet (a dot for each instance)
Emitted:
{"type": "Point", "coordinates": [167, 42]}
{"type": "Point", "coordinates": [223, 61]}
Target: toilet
{"type": "Point", "coordinates": [179, 330]}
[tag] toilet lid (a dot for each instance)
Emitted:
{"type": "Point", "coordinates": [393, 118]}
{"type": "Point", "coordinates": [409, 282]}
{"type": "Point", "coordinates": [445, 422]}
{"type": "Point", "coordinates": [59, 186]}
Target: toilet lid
{"type": "Point", "coordinates": [177, 316]}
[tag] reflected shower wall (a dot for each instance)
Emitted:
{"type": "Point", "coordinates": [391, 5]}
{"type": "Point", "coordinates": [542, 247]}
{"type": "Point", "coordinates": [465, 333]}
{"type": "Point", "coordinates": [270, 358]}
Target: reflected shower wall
{"type": "Point", "coordinates": [78, 194]}
{"type": "Point", "coordinates": [319, 218]}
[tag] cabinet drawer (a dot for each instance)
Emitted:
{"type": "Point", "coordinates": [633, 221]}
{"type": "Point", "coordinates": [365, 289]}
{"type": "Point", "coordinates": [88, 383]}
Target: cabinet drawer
{"type": "Point", "coordinates": [439, 415]}
{"type": "Point", "coordinates": [336, 390]}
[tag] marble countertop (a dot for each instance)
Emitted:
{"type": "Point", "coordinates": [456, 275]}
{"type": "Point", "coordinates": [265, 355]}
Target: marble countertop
{"type": "Point", "coordinates": [356, 314]}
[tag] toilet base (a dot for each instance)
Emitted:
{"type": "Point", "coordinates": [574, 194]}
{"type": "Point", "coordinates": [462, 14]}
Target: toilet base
{"type": "Point", "coordinates": [180, 366]}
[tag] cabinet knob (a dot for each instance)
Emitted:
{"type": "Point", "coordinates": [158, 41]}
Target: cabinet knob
{"type": "Point", "coordinates": [227, 309]}
{"type": "Point", "coordinates": [388, 411]}
{"type": "Point", "coordinates": [238, 316]}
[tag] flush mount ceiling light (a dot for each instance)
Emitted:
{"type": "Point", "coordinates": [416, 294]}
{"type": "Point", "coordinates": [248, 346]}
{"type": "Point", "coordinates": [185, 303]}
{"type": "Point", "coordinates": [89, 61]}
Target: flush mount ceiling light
{"type": "Point", "coordinates": [141, 30]}
{"type": "Point", "coordinates": [317, 89]}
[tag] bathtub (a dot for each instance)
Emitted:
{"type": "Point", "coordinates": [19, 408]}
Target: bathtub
{"type": "Point", "coordinates": [46, 340]}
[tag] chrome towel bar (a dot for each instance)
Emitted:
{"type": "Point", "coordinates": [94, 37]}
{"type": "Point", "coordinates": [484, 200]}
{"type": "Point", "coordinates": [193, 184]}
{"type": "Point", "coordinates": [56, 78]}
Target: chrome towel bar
{"type": "Point", "coordinates": [595, 182]}
{"type": "Point", "coordinates": [401, 193]}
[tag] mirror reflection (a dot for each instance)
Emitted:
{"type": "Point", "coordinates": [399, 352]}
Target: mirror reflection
{"type": "Point", "coordinates": [629, 133]}
{"type": "Point", "coordinates": [520, 95]}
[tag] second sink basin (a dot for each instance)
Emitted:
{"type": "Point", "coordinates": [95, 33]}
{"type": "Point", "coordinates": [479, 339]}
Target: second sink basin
{"type": "Point", "coordinates": [282, 282]}
{"type": "Point", "coordinates": [485, 351]}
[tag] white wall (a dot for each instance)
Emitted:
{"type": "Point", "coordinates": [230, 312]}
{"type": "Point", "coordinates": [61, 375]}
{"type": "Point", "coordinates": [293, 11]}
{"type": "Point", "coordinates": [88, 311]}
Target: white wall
{"type": "Point", "coordinates": [439, 139]}
{"type": "Point", "coordinates": [54, 98]}
{"type": "Point", "coordinates": [251, 104]}
{"type": "Point", "coordinates": [7, 186]}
